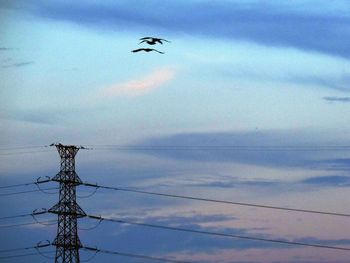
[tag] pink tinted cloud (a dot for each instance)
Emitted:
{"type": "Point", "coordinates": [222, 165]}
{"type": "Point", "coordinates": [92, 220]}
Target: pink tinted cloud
{"type": "Point", "coordinates": [141, 86]}
{"type": "Point", "coordinates": [264, 255]}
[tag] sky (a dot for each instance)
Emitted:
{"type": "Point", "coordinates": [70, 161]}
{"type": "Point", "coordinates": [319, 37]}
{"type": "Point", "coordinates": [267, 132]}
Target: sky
{"type": "Point", "coordinates": [235, 73]}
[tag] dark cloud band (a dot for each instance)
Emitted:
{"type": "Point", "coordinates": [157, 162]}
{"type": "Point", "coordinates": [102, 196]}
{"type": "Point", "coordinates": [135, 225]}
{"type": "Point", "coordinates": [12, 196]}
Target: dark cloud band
{"type": "Point", "coordinates": [337, 99]}
{"type": "Point", "coordinates": [268, 24]}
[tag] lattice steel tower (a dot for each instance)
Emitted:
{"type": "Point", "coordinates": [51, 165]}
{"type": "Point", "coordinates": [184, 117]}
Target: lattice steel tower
{"type": "Point", "coordinates": [67, 241]}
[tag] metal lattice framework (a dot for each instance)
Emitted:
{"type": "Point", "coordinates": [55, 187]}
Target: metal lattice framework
{"type": "Point", "coordinates": [67, 241]}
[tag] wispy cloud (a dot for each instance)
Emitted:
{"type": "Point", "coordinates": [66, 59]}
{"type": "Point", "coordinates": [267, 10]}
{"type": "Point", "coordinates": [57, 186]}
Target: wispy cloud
{"type": "Point", "coordinates": [337, 99]}
{"type": "Point", "coordinates": [331, 180]}
{"type": "Point", "coordinates": [333, 82]}
{"type": "Point", "coordinates": [293, 75]}
{"type": "Point", "coordinates": [140, 86]}
{"type": "Point", "coordinates": [19, 64]}
{"type": "Point", "coordinates": [252, 149]}
{"type": "Point", "coordinates": [39, 116]}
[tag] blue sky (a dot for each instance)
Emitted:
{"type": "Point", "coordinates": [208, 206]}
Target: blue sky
{"type": "Point", "coordinates": [236, 72]}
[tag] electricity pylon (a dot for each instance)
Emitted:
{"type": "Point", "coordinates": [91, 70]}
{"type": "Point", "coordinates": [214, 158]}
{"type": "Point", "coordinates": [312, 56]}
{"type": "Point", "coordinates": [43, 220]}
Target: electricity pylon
{"type": "Point", "coordinates": [68, 211]}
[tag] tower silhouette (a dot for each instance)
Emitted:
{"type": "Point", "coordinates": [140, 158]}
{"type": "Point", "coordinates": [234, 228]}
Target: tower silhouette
{"type": "Point", "coordinates": [68, 211]}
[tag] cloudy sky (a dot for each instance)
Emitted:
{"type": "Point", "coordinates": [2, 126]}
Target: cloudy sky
{"type": "Point", "coordinates": [245, 73]}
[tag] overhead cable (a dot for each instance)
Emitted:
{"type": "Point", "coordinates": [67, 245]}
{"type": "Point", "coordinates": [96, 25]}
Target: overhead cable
{"type": "Point", "coordinates": [16, 185]}
{"type": "Point", "coordinates": [41, 212]}
{"type": "Point", "coordinates": [220, 147]}
{"type": "Point", "coordinates": [31, 191]}
{"type": "Point", "coordinates": [26, 255]}
{"type": "Point", "coordinates": [120, 221]}
{"type": "Point", "coordinates": [15, 153]}
{"type": "Point", "coordinates": [6, 148]}
{"type": "Point", "coordinates": [117, 253]}
{"type": "Point", "coordinates": [25, 248]}
{"type": "Point", "coordinates": [49, 222]}
{"type": "Point", "coordinates": [123, 189]}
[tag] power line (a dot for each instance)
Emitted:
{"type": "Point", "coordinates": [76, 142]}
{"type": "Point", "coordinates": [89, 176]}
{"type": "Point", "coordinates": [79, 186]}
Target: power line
{"type": "Point", "coordinates": [15, 153]}
{"type": "Point", "coordinates": [30, 223]}
{"type": "Point", "coordinates": [48, 179]}
{"type": "Point", "coordinates": [123, 189]}
{"type": "Point", "coordinates": [15, 249]}
{"type": "Point", "coordinates": [24, 215]}
{"type": "Point", "coordinates": [218, 146]}
{"type": "Point", "coordinates": [133, 255]}
{"type": "Point", "coordinates": [217, 234]}
{"type": "Point", "coordinates": [24, 248]}
{"type": "Point", "coordinates": [25, 255]}
{"type": "Point", "coordinates": [195, 147]}
{"type": "Point", "coordinates": [17, 216]}
{"type": "Point", "coordinates": [216, 200]}
{"type": "Point", "coordinates": [221, 147]}
{"type": "Point", "coordinates": [16, 185]}
{"type": "Point", "coordinates": [29, 191]}
{"type": "Point", "coordinates": [21, 147]}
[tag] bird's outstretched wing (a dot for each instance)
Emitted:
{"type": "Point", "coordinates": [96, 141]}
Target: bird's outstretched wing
{"type": "Point", "coordinates": [146, 50]}
{"type": "Point", "coordinates": [145, 38]}
{"type": "Point", "coordinates": [162, 39]}
{"type": "Point", "coordinates": [157, 51]}
{"type": "Point", "coordinates": [137, 50]}
{"type": "Point", "coordinates": [156, 39]}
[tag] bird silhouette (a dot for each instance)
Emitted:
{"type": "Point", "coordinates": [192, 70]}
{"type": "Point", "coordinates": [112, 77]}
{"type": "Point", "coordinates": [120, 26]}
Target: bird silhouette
{"type": "Point", "coordinates": [153, 40]}
{"type": "Point", "coordinates": [146, 50]}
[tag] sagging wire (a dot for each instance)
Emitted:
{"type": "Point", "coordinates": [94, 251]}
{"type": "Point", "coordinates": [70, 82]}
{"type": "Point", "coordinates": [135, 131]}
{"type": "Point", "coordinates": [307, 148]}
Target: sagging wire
{"type": "Point", "coordinates": [38, 182]}
{"type": "Point", "coordinates": [43, 211]}
{"type": "Point", "coordinates": [95, 226]}
{"type": "Point", "coordinates": [48, 179]}
{"type": "Point", "coordinates": [39, 245]}
{"type": "Point", "coordinates": [89, 195]}
{"type": "Point", "coordinates": [37, 212]}
{"type": "Point", "coordinates": [92, 257]}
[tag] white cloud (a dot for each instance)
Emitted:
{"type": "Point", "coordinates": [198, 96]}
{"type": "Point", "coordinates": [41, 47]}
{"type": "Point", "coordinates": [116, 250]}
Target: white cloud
{"type": "Point", "coordinates": [141, 86]}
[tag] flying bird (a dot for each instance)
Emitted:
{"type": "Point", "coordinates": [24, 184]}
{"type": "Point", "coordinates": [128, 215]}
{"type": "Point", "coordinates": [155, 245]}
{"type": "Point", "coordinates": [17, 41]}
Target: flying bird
{"type": "Point", "coordinates": [153, 40]}
{"type": "Point", "coordinates": [146, 50]}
